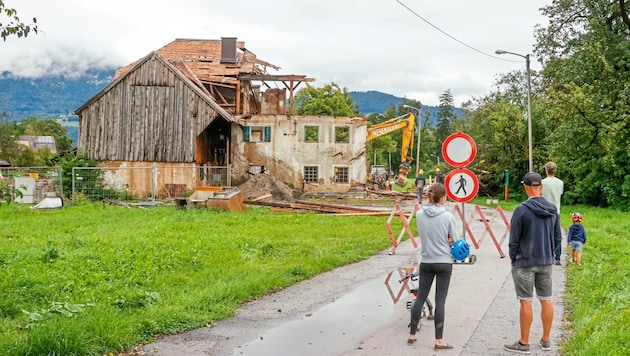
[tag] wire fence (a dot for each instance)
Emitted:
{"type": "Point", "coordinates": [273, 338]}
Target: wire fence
{"type": "Point", "coordinates": [34, 183]}
{"type": "Point", "coordinates": [154, 182]}
{"type": "Point", "coordinates": [146, 183]}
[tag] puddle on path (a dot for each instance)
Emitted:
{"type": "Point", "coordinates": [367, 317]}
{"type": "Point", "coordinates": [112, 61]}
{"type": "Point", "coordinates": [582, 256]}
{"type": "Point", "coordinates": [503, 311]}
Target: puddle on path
{"type": "Point", "coordinates": [334, 329]}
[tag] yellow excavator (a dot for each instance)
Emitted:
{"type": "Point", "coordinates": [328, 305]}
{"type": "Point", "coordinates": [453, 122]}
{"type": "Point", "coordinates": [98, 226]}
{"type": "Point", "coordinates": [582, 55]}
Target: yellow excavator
{"type": "Point", "coordinates": [406, 123]}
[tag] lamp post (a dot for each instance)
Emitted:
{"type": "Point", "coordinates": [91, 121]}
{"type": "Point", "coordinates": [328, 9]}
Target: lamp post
{"type": "Point", "coordinates": [437, 157]}
{"type": "Point", "coordinates": [419, 135]}
{"type": "Point", "coordinates": [529, 103]}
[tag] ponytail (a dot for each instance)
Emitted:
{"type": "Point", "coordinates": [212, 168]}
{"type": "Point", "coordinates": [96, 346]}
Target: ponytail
{"type": "Point", "coordinates": [436, 192]}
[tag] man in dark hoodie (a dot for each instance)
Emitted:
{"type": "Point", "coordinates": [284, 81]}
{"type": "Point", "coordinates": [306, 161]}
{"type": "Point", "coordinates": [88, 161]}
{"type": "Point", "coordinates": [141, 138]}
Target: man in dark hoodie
{"type": "Point", "coordinates": [534, 233]}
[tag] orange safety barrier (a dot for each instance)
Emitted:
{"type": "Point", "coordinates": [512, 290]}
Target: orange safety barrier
{"type": "Point", "coordinates": [405, 220]}
{"type": "Point", "coordinates": [466, 225]}
{"type": "Point", "coordinates": [402, 272]}
{"type": "Point", "coordinates": [488, 228]}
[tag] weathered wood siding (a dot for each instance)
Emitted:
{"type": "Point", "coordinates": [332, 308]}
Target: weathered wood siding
{"type": "Point", "coordinates": [151, 114]}
{"type": "Point", "coordinates": [138, 177]}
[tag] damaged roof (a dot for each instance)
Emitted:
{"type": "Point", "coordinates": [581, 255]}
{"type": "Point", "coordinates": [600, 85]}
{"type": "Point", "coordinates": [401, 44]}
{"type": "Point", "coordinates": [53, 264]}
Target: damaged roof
{"type": "Point", "coordinates": [203, 57]}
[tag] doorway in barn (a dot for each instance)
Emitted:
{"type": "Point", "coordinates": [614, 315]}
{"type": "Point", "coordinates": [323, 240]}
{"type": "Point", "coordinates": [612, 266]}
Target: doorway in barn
{"type": "Point", "coordinates": [213, 154]}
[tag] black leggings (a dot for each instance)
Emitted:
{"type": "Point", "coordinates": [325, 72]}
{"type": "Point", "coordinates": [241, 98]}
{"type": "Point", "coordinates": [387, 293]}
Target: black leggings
{"type": "Point", "coordinates": [442, 274]}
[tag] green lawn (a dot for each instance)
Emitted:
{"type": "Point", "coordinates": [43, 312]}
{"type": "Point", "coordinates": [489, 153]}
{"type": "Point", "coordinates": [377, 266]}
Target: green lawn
{"type": "Point", "coordinates": [597, 301]}
{"type": "Point", "coordinates": [94, 279]}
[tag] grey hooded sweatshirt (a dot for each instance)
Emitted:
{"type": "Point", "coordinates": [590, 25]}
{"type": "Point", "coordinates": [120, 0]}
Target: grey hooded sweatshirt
{"type": "Point", "coordinates": [435, 225]}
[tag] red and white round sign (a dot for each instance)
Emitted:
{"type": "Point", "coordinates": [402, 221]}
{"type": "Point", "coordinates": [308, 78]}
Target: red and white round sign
{"type": "Point", "coordinates": [461, 185]}
{"type": "Point", "coordinates": [459, 149]}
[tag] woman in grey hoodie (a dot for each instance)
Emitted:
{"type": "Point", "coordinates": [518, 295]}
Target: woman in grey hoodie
{"type": "Point", "coordinates": [436, 228]}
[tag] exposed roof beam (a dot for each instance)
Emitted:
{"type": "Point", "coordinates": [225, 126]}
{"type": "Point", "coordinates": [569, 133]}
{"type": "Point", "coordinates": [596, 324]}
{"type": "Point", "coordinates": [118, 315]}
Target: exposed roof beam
{"type": "Point", "coordinates": [275, 78]}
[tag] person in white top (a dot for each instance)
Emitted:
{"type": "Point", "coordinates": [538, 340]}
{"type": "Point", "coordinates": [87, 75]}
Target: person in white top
{"type": "Point", "coordinates": [552, 190]}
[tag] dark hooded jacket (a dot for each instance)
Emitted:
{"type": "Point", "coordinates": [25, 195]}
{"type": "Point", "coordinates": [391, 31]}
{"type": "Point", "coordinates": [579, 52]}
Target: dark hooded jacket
{"type": "Point", "coordinates": [534, 233]}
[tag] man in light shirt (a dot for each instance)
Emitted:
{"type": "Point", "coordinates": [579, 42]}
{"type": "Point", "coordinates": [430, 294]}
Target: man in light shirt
{"type": "Point", "coordinates": [552, 190]}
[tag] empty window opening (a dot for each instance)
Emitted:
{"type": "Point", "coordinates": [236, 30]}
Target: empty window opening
{"type": "Point", "coordinates": [311, 133]}
{"type": "Point", "coordinates": [342, 134]}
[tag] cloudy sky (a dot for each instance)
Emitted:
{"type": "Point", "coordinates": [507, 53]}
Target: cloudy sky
{"type": "Point", "coordinates": [410, 48]}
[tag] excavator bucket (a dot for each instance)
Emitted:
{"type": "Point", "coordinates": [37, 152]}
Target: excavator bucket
{"type": "Point", "coordinates": [403, 171]}
{"type": "Point", "coordinates": [224, 198]}
{"type": "Point", "coordinates": [401, 180]}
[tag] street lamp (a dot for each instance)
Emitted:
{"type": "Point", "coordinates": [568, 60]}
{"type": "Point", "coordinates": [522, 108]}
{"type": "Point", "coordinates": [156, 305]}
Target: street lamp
{"type": "Point", "coordinates": [419, 133]}
{"type": "Point", "coordinates": [438, 158]}
{"type": "Point", "coordinates": [529, 102]}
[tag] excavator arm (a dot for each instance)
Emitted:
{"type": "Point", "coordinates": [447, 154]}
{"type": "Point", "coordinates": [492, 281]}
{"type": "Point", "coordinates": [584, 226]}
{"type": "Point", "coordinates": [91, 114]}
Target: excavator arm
{"type": "Point", "coordinates": [406, 123]}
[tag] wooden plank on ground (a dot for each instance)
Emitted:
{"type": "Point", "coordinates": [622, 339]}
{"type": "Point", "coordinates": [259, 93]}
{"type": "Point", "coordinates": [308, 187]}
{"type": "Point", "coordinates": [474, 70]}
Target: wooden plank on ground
{"type": "Point", "coordinates": [262, 197]}
{"type": "Point", "coordinates": [344, 207]}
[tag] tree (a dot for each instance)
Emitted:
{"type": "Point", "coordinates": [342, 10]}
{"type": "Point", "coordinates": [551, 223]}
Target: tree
{"type": "Point", "coordinates": [500, 135]}
{"type": "Point", "coordinates": [9, 147]}
{"type": "Point", "coordinates": [329, 100]}
{"type": "Point", "coordinates": [445, 116]}
{"type": "Point", "coordinates": [14, 27]}
{"type": "Point", "coordinates": [46, 127]}
{"type": "Point", "coordinates": [585, 50]}
{"type": "Point", "coordinates": [92, 178]}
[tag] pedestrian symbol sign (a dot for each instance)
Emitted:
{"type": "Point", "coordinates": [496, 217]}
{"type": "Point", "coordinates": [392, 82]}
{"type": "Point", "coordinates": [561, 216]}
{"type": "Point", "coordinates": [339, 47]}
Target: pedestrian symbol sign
{"type": "Point", "coordinates": [461, 185]}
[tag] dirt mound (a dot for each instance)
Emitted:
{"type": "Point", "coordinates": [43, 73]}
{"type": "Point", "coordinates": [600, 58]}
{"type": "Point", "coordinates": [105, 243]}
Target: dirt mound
{"type": "Point", "coordinates": [263, 184]}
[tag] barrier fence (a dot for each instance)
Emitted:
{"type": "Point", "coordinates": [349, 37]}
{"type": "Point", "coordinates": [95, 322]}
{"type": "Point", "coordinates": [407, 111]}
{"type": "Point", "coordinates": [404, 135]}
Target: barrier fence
{"type": "Point", "coordinates": [487, 228]}
{"type": "Point", "coordinates": [397, 211]}
{"type": "Point", "coordinates": [152, 182]}
{"type": "Point", "coordinates": [472, 218]}
{"type": "Point", "coordinates": [457, 211]}
{"type": "Point", "coordinates": [149, 182]}
{"type": "Point", "coordinates": [34, 183]}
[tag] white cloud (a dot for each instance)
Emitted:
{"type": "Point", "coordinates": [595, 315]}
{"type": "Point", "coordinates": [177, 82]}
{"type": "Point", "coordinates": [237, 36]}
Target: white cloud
{"type": "Point", "coordinates": [361, 45]}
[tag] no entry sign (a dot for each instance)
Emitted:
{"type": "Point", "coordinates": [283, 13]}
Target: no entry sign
{"type": "Point", "coordinates": [459, 149]}
{"type": "Point", "coordinates": [461, 185]}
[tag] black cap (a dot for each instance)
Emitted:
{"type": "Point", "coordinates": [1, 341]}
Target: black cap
{"type": "Point", "coordinates": [532, 179]}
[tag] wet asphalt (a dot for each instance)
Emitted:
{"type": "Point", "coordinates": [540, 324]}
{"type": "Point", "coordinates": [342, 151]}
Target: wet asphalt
{"type": "Point", "coordinates": [351, 310]}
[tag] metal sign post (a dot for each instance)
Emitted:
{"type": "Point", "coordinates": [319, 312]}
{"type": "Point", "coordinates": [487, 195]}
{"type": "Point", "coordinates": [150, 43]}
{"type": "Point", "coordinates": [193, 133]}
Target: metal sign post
{"type": "Point", "coordinates": [462, 185]}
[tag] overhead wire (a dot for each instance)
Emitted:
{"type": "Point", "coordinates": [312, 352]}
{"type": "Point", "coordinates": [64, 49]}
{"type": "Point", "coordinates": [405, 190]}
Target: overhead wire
{"type": "Point", "coordinates": [452, 37]}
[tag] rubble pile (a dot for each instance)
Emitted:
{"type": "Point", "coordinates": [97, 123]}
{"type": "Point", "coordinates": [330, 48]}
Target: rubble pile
{"type": "Point", "coordinates": [261, 185]}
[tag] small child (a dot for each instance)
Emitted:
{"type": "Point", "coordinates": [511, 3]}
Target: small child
{"type": "Point", "coordinates": [576, 238]}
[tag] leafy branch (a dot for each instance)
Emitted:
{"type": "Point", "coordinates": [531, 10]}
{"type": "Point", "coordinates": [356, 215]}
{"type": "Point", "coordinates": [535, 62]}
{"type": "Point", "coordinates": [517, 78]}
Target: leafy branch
{"type": "Point", "coordinates": [14, 27]}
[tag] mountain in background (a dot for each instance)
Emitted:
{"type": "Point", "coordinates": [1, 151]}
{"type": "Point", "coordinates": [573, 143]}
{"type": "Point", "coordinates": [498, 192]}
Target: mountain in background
{"type": "Point", "coordinates": [58, 97]}
{"type": "Point", "coordinates": [378, 102]}
{"type": "Point", "coordinates": [53, 96]}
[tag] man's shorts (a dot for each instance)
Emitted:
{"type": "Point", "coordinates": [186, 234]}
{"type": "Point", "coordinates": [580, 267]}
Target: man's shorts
{"type": "Point", "coordinates": [576, 246]}
{"type": "Point", "coordinates": [526, 278]}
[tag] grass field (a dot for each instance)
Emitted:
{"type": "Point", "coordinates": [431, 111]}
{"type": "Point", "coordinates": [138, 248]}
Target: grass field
{"type": "Point", "coordinates": [94, 279]}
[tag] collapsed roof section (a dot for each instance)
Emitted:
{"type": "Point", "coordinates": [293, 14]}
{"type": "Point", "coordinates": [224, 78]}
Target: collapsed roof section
{"type": "Point", "coordinates": [229, 73]}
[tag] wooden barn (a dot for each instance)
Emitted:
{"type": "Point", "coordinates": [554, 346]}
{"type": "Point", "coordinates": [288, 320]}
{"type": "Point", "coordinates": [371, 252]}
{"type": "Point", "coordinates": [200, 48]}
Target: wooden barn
{"type": "Point", "coordinates": [208, 112]}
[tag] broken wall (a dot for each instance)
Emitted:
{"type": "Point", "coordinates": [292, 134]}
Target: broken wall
{"type": "Point", "coordinates": [309, 153]}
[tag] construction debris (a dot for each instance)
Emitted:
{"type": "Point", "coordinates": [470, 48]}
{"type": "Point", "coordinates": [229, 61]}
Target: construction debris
{"type": "Point", "coordinates": [264, 187]}
{"type": "Point", "coordinates": [301, 206]}
{"type": "Point", "coordinates": [266, 190]}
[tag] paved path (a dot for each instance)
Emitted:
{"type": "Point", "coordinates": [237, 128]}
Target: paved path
{"type": "Point", "coordinates": [349, 312]}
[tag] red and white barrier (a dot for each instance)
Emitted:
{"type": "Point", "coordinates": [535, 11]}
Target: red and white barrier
{"type": "Point", "coordinates": [488, 229]}
{"type": "Point", "coordinates": [397, 211]}
{"type": "Point", "coordinates": [402, 272]}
